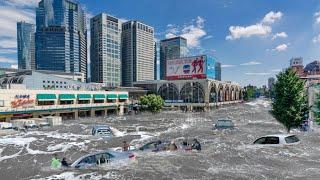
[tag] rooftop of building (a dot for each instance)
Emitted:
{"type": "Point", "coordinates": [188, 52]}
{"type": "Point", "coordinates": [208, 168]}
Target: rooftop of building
{"type": "Point", "coordinates": [40, 71]}
{"type": "Point", "coordinates": [174, 38]}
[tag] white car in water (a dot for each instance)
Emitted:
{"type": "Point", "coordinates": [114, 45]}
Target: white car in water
{"type": "Point", "coordinates": [103, 157]}
{"type": "Point", "coordinates": [277, 140]}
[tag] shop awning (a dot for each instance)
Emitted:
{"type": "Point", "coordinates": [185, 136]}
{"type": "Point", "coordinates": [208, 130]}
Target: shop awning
{"type": "Point", "coordinates": [84, 96]}
{"type": "Point", "coordinates": [99, 96]}
{"type": "Point", "coordinates": [112, 96]}
{"type": "Point", "coordinates": [67, 96]}
{"type": "Point", "coordinates": [46, 97]}
{"type": "Point", "coordinates": [123, 96]}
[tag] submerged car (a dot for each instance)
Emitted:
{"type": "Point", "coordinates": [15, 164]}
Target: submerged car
{"type": "Point", "coordinates": [277, 139]}
{"type": "Point", "coordinates": [100, 158]}
{"type": "Point", "coordinates": [224, 124]}
{"type": "Point", "coordinates": [44, 124]}
{"type": "Point", "coordinates": [102, 131]}
{"type": "Point", "coordinates": [155, 146]}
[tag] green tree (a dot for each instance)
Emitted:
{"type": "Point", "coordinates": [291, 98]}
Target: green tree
{"type": "Point", "coordinates": [289, 105]}
{"type": "Point", "coordinates": [248, 94]}
{"type": "Point", "coordinates": [153, 102]}
{"type": "Point", "coordinates": [316, 110]}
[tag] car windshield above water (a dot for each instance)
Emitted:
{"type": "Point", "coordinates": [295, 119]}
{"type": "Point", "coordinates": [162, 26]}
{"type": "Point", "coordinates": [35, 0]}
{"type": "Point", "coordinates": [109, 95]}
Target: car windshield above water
{"type": "Point", "coordinates": [277, 139]}
{"type": "Point", "coordinates": [224, 123]}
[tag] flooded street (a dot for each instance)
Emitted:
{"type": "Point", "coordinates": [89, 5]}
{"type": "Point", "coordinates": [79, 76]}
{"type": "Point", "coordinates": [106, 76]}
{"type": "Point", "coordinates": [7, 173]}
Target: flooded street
{"type": "Point", "coordinates": [227, 154]}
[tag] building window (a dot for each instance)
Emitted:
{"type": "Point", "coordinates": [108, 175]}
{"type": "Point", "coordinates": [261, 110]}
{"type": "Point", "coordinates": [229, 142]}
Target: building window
{"type": "Point", "coordinates": [44, 81]}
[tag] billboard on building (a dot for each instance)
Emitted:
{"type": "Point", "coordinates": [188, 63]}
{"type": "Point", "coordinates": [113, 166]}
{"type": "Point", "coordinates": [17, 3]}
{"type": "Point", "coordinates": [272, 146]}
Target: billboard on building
{"type": "Point", "coordinates": [197, 67]}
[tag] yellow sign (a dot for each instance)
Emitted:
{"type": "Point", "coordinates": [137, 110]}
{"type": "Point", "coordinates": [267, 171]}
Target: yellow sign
{"type": "Point", "coordinates": [6, 116]}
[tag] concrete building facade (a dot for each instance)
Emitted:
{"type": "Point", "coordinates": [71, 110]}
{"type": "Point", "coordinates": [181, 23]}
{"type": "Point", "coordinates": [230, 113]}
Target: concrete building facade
{"type": "Point", "coordinates": [138, 52]}
{"type": "Point", "coordinates": [16, 104]}
{"type": "Point", "coordinates": [105, 50]}
{"type": "Point", "coordinates": [195, 92]}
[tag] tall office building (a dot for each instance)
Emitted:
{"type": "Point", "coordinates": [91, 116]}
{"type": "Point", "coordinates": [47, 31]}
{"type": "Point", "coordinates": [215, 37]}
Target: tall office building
{"type": "Point", "coordinates": [137, 52]}
{"type": "Point", "coordinates": [155, 60]}
{"type": "Point", "coordinates": [172, 48]}
{"type": "Point", "coordinates": [105, 50]}
{"type": "Point", "coordinates": [26, 45]}
{"type": "Point", "coordinates": [218, 70]}
{"type": "Point", "coordinates": [61, 36]}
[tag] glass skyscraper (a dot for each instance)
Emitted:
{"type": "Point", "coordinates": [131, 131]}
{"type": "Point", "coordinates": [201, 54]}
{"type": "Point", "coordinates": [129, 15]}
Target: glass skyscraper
{"type": "Point", "coordinates": [218, 71]}
{"type": "Point", "coordinates": [26, 45]}
{"type": "Point", "coordinates": [105, 50]}
{"type": "Point", "coordinates": [61, 36]}
{"type": "Point", "coordinates": [171, 49]}
{"type": "Point", "coordinates": [137, 52]}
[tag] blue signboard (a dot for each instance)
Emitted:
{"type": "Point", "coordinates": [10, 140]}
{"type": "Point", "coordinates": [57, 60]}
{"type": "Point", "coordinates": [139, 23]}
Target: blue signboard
{"type": "Point", "coordinates": [211, 62]}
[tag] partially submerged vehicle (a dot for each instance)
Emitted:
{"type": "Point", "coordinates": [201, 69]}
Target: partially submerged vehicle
{"type": "Point", "coordinates": [277, 140]}
{"type": "Point", "coordinates": [102, 131]}
{"type": "Point", "coordinates": [31, 126]}
{"type": "Point", "coordinates": [155, 146]}
{"type": "Point", "coordinates": [44, 124]}
{"type": "Point", "coordinates": [100, 158]}
{"type": "Point", "coordinates": [223, 124]}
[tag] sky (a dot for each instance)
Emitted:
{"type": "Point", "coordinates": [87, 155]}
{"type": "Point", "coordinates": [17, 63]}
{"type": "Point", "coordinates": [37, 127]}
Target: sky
{"type": "Point", "coordinates": [253, 39]}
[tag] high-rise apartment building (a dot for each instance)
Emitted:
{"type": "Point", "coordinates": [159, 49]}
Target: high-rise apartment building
{"type": "Point", "coordinates": [218, 70]}
{"type": "Point", "coordinates": [155, 60]}
{"type": "Point", "coordinates": [26, 45]}
{"type": "Point", "coordinates": [105, 50]}
{"type": "Point", "coordinates": [61, 36]}
{"type": "Point", "coordinates": [137, 52]}
{"type": "Point", "coordinates": [172, 48]}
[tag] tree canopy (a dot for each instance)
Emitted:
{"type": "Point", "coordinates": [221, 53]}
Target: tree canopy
{"type": "Point", "coordinates": [289, 105]}
{"type": "Point", "coordinates": [153, 102]}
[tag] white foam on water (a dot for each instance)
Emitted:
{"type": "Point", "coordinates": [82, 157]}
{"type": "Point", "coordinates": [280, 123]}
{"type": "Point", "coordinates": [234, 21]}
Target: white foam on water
{"type": "Point", "coordinates": [57, 135]}
{"type": "Point", "coordinates": [63, 147]}
{"type": "Point", "coordinates": [259, 102]}
{"type": "Point", "coordinates": [18, 141]}
{"type": "Point", "coordinates": [10, 156]}
{"type": "Point", "coordinates": [116, 132]}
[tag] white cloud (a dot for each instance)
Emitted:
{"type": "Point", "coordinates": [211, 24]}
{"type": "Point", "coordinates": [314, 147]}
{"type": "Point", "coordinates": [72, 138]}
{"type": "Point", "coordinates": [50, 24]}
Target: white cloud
{"type": "Point", "coordinates": [280, 35]}
{"type": "Point", "coordinates": [276, 70]}
{"type": "Point", "coordinates": [7, 51]}
{"type": "Point", "coordinates": [227, 65]}
{"type": "Point", "coordinates": [12, 11]}
{"type": "Point", "coordinates": [271, 17]}
{"type": "Point", "coordinates": [316, 39]}
{"type": "Point", "coordinates": [261, 28]}
{"type": "Point", "coordinates": [258, 74]}
{"type": "Point", "coordinates": [123, 20]}
{"type": "Point", "coordinates": [281, 47]}
{"type": "Point", "coordinates": [21, 3]}
{"type": "Point", "coordinates": [9, 17]}
{"type": "Point", "coordinates": [208, 37]}
{"type": "Point", "coordinates": [250, 63]}
{"type": "Point", "coordinates": [8, 43]}
{"type": "Point", "coordinates": [7, 60]}
{"type": "Point", "coordinates": [237, 32]}
{"type": "Point", "coordinates": [194, 32]}
{"type": "Point", "coordinates": [14, 66]}
{"type": "Point", "coordinates": [317, 17]}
